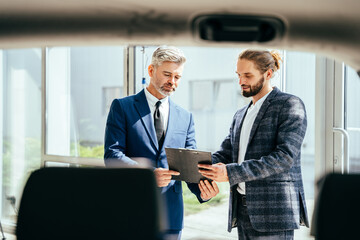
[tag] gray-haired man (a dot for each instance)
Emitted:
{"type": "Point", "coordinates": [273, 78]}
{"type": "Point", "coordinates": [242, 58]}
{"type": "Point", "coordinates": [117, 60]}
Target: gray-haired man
{"type": "Point", "coordinates": [142, 125]}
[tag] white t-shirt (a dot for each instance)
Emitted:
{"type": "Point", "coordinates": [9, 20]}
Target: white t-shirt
{"type": "Point", "coordinates": [245, 133]}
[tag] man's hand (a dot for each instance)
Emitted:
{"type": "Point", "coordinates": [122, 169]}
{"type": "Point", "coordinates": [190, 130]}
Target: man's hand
{"type": "Point", "coordinates": [215, 172]}
{"type": "Point", "coordinates": [163, 176]}
{"type": "Point", "coordinates": [208, 190]}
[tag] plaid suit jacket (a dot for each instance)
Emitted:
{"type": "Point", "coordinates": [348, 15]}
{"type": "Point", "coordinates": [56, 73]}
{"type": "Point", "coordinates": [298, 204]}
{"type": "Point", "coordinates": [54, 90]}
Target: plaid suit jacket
{"type": "Point", "coordinates": [271, 171]}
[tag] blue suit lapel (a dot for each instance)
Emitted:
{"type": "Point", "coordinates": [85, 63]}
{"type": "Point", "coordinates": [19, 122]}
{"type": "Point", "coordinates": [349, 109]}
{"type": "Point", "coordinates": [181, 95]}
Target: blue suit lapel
{"type": "Point", "coordinates": [173, 115]}
{"type": "Point", "coordinates": [142, 107]}
{"type": "Point", "coordinates": [262, 111]}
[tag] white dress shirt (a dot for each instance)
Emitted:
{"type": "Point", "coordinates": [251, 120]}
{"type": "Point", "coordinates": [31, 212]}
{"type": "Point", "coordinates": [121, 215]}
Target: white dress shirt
{"type": "Point", "coordinates": [164, 107]}
{"type": "Point", "coordinates": [245, 133]}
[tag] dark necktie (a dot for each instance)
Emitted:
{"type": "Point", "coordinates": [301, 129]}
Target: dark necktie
{"type": "Point", "coordinates": [159, 124]}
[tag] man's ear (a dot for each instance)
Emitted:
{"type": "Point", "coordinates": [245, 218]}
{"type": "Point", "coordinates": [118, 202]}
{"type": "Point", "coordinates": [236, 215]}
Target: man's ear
{"type": "Point", "coordinates": [151, 70]}
{"type": "Point", "coordinates": [268, 74]}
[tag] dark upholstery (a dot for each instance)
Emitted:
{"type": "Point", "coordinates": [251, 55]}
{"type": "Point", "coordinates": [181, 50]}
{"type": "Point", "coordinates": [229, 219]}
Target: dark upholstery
{"type": "Point", "coordinates": [337, 209]}
{"type": "Point", "coordinates": [89, 203]}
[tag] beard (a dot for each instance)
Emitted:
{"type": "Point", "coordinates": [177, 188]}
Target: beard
{"type": "Point", "coordinates": [164, 89]}
{"type": "Point", "coordinates": [255, 89]}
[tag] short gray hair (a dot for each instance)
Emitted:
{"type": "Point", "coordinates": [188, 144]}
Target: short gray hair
{"type": "Point", "coordinates": [167, 54]}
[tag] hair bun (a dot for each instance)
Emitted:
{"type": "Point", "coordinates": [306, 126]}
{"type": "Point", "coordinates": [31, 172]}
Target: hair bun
{"type": "Point", "coordinates": [277, 58]}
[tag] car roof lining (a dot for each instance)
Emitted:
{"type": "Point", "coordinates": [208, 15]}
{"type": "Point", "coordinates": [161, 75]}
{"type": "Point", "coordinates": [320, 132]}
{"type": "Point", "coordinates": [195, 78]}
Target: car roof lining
{"type": "Point", "coordinates": [117, 22]}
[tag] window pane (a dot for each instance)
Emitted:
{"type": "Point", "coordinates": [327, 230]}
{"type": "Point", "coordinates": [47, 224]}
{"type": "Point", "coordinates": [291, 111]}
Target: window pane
{"type": "Point", "coordinates": [81, 84]}
{"type": "Point", "coordinates": [20, 114]}
{"type": "Point", "coordinates": [210, 90]}
{"type": "Point", "coordinates": [142, 61]}
{"type": "Point", "coordinates": [352, 99]}
{"type": "Point", "coordinates": [300, 81]}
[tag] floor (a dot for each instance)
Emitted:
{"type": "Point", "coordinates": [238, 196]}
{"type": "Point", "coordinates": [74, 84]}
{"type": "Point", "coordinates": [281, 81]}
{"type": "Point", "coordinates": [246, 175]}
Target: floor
{"type": "Point", "coordinates": [211, 224]}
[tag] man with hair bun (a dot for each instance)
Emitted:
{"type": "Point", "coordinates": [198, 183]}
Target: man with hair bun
{"type": "Point", "coordinates": [142, 125]}
{"type": "Point", "coordinates": [260, 158]}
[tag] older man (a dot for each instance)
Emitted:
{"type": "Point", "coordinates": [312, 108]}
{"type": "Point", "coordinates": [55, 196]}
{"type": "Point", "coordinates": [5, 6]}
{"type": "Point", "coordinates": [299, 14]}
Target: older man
{"type": "Point", "coordinates": [143, 124]}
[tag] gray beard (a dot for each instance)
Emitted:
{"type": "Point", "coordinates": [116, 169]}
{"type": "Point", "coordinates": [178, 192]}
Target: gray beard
{"type": "Point", "coordinates": [164, 93]}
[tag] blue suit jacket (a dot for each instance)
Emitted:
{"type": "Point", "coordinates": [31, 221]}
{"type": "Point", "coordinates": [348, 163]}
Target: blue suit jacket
{"type": "Point", "coordinates": [130, 133]}
{"type": "Point", "coordinates": [271, 171]}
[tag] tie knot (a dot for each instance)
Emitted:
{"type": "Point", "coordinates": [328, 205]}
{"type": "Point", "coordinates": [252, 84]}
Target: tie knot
{"type": "Point", "coordinates": [158, 104]}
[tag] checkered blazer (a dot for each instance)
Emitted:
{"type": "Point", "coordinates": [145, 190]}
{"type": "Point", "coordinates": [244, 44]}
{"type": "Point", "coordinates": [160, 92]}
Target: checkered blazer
{"type": "Point", "coordinates": [271, 171]}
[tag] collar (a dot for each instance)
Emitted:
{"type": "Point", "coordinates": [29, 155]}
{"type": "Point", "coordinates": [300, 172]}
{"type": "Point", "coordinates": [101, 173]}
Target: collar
{"type": "Point", "coordinates": [152, 100]}
{"type": "Point", "coordinates": [261, 100]}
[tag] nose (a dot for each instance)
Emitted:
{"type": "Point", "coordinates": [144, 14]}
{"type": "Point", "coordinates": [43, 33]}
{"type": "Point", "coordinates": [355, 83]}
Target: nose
{"type": "Point", "coordinates": [172, 80]}
{"type": "Point", "coordinates": [241, 81]}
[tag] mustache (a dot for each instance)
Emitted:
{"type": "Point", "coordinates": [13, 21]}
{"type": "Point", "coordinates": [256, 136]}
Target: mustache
{"type": "Point", "coordinates": [170, 85]}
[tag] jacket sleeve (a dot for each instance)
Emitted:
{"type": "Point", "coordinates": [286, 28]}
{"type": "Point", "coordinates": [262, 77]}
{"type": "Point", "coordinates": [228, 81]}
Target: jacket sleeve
{"type": "Point", "coordinates": [190, 138]}
{"type": "Point", "coordinates": [290, 134]}
{"type": "Point", "coordinates": [115, 137]}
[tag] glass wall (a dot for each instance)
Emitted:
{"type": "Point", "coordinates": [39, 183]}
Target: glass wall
{"type": "Point", "coordinates": [300, 81]}
{"type": "Point", "coordinates": [81, 84]}
{"type": "Point", "coordinates": [20, 117]}
{"type": "Point", "coordinates": [352, 117]}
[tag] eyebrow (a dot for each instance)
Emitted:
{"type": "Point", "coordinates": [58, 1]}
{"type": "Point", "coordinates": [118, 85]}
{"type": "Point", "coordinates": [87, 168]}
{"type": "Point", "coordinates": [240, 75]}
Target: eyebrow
{"type": "Point", "coordinates": [247, 73]}
{"type": "Point", "coordinates": [171, 73]}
